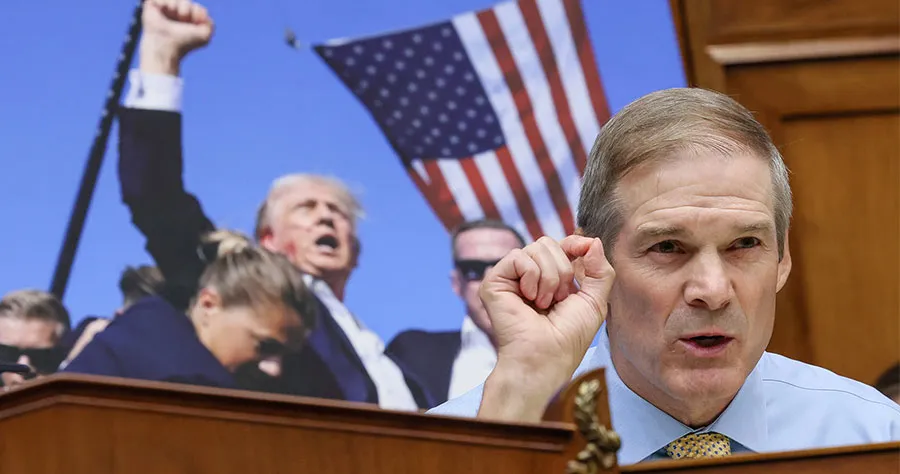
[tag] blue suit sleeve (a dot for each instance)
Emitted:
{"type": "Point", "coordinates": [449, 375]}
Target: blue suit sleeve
{"type": "Point", "coordinates": [150, 178]}
{"type": "Point", "coordinates": [97, 358]}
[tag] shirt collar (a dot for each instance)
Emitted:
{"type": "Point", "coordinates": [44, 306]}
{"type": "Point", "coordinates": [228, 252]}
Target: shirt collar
{"type": "Point", "coordinates": [472, 337]}
{"type": "Point", "coordinates": [323, 293]}
{"type": "Point", "coordinates": [644, 429]}
{"type": "Point", "coordinates": [744, 420]}
{"type": "Point", "coordinates": [317, 286]}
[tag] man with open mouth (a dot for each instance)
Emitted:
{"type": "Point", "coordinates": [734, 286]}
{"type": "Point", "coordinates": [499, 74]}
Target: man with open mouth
{"type": "Point", "coordinates": [309, 218]}
{"type": "Point", "coordinates": [681, 248]}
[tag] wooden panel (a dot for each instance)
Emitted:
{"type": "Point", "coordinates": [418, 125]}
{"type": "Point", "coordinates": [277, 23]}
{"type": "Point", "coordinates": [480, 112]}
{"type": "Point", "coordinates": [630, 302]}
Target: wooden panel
{"type": "Point", "coordinates": [778, 20]}
{"type": "Point", "coordinates": [845, 185]}
{"type": "Point", "coordinates": [99, 440]}
{"type": "Point", "coordinates": [713, 33]}
{"type": "Point", "coordinates": [692, 19]}
{"type": "Point", "coordinates": [98, 425]}
{"type": "Point", "coordinates": [748, 53]}
{"type": "Point", "coordinates": [818, 88]}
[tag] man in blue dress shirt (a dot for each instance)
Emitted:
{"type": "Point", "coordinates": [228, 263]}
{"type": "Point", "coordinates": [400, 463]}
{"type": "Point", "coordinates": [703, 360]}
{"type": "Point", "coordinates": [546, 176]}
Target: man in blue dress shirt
{"type": "Point", "coordinates": [681, 248]}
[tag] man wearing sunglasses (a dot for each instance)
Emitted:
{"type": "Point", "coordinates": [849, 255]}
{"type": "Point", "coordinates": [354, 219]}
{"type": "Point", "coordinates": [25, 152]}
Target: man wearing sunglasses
{"type": "Point", "coordinates": [453, 362]}
{"type": "Point", "coordinates": [31, 324]}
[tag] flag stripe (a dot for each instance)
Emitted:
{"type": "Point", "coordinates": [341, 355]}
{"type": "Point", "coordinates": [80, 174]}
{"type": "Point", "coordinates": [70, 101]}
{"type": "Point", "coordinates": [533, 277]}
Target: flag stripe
{"type": "Point", "coordinates": [502, 53]}
{"type": "Point", "coordinates": [418, 167]}
{"type": "Point", "coordinates": [480, 188]}
{"type": "Point", "coordinates": [556, 24]}
{"type": "Point", "coordinates": [586, 54]}
{"type": "Point", "coordinates": [535, 25]}
{"type": "Point", "coordinates": [528, 64]}
{"type": "Point", "coordinates": [520, 192]}
{"type": "Point", "coordinates": [489, 166]}
{"type": "Point", "coordinates": [536, 200]}
{"type": "Point", "coordinates": [461, 189]}
{"type": "Point", "coordinates": [441, 198]}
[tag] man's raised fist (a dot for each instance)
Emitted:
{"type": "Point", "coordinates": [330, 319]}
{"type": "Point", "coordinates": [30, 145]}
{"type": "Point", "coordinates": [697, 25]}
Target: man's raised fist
{"type": "Point", "coordinates": [172, 29]}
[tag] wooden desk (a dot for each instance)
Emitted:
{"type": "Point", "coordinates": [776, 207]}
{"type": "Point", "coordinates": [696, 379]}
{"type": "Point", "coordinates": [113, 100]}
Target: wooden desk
{"type": "Point", "coordinates": [78, 424]}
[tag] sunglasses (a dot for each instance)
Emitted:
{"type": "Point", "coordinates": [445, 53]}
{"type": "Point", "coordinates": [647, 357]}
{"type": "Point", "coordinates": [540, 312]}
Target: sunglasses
{"type": "Point", "coordinates": [270, 348]}
{"type": "Point", "coordinates": [44, 361]}
{"type": "Point", "coordinates": [474, 270]}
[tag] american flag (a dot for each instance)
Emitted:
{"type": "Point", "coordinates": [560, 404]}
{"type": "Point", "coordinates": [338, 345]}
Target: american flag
{"type": "Point", "coordinates": [492, 112]}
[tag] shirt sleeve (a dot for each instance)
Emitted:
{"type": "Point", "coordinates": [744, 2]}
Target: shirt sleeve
{"type": "Point", "coordinates": [463, 406]}
{"type": "Point", "coordinates": [154, 91]}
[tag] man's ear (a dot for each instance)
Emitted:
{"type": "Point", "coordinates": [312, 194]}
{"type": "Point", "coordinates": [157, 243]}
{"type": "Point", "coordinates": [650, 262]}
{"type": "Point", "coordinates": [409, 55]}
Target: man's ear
{"type": "Point", "coordinates": [266, 240]}
{"type": "Point", "coordinates": [456, 282]}
{"type": "Point", "coordinates": [785, 264]}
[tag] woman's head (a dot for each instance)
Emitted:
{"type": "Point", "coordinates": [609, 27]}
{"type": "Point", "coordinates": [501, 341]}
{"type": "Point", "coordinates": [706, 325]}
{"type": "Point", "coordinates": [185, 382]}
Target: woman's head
{"type": "Point", "coordinates": [252, 306]}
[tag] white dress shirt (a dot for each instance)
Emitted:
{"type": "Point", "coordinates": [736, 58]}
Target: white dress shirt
{"type": "Point", "coordinates": [154, 91]}
{"type": "Point", "coordinates": [475, 360]}
{"type": "Point", "coordinates": [164, 93]}
{"type": "Point", "coordinates": [393, 393]}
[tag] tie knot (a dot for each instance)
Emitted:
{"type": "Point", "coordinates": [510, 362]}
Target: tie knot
{"type": "Point", "coordinates": [699, 446]}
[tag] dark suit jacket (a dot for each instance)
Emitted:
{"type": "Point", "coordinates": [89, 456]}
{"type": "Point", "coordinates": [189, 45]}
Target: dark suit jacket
{"type": "Point", "coordinates": [152, 341]}
{"type": "Point", "coordinates": [428, 355]}
{"type": "Point", "coordinates": [67, 342]}
{"type": "Point", "coordinates": [172, 220]}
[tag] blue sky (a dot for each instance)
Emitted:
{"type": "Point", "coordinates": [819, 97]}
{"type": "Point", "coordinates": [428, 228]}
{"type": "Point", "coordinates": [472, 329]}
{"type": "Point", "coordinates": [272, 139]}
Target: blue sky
{"type": "Point", "coordinates": [254, 109]}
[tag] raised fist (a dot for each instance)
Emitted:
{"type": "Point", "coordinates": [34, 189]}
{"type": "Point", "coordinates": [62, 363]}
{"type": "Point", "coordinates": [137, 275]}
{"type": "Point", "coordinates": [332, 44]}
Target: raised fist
{"type": "Point", "coordinates": [546, 302]}
{"type": "Point", "coordinates": [172, 29]}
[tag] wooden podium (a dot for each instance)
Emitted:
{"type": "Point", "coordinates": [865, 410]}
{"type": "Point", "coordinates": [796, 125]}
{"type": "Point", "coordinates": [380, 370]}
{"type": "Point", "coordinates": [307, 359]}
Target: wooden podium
{"type": "Point", "coordinates": [76, 424]}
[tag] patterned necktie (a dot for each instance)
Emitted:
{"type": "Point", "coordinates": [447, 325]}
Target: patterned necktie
{"type": "Point", "coordinates": [699, 446]}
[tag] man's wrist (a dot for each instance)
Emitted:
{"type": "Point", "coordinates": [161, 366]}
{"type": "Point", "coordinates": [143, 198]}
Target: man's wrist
{"type": "Point", "coordinates": [160, 59]}
{"type": "Point", "coordinates": [518, 394]}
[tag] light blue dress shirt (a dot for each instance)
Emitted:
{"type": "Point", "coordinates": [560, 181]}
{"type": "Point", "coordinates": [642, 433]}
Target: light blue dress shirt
{"type": "Point", "coordinates": [784, 405]}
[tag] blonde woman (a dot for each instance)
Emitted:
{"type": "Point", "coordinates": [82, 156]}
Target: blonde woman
{"type": "Point", "coordinates": [251, 306]}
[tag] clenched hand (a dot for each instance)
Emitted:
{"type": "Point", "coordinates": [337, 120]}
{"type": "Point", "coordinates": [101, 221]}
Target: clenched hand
{"type": "Point", "coordinates": [546, 303]}
{"type": "Point", "coordinates": [172, 29]}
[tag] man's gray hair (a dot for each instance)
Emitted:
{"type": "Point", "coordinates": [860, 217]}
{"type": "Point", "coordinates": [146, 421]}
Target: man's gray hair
{"type": "Point", "coordinates": [284, 183]}
{"type": "Point", "coordinates": [33, 304]}
{"type": "Point", "coordinates": [660, 125]}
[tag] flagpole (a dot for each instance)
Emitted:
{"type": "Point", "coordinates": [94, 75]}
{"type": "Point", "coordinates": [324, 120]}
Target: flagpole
{"type": "Point", "coordinates": [95, 159]}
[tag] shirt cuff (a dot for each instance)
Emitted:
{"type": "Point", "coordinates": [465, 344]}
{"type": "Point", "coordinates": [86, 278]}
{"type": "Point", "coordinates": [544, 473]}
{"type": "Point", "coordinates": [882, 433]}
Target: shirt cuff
{"type": "Point", "coordinates": [154, 91]}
